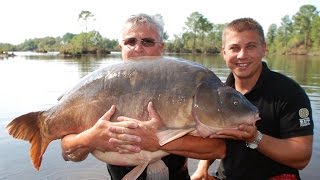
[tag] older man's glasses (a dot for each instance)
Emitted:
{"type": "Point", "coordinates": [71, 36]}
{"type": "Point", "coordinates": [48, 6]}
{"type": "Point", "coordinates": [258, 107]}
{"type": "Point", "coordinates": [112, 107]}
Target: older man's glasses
{"type": "Point", "coordinates": [146, 42]}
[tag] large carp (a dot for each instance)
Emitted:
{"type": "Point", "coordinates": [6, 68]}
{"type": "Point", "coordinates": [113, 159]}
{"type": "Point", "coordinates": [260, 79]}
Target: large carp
{"type": "Point", "coordinates": [188, 97]}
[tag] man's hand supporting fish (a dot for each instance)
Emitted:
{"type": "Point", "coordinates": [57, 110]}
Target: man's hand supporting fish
{"type": "Point", "coordinates": [76, 147]}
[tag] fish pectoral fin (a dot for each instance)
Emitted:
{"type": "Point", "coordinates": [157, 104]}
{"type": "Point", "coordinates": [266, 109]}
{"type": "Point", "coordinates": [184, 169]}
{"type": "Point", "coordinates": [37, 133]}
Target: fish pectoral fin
{"type": "Point", "coordinates": [136, 172]}
{"type": "Point", "coordinates": [204, 130]}
{"type": "Point", "coordinates": [194, 133]}
{"type": "Point", "coordinates": [157, 171]}
{"type": "Point", "coordinates": [172, 134]}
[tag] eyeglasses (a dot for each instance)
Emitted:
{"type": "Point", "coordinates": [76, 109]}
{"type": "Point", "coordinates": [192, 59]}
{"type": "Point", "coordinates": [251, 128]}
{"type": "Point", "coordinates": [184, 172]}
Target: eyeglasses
{"type": "Point", "coordinates": [146, 42]}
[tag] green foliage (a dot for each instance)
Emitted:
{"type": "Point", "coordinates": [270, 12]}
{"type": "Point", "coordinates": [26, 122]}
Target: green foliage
{"type": "Point", "coordinates": [198, 27]}
{"type": "Point", "coordinates": [303, 20]}
{"type": "Point", "coordinates": [296, 35]}
{"type": "Point", "coordinates": [29, 45]}
{"type": "Point", "coordinates": [71, 44]}
{"type": "Point", "coordinates": [315, 32]}
{"type": "Point", "coordinates": [271, 33]}
{"type": "Point", "coordinates": [165, 36]}
{"type": "Point", "coordinates": [88, 43]}
{"type": "Point", "coordinates": [67, 37]}
{"type": "Point", "coordinates": [6, 47]}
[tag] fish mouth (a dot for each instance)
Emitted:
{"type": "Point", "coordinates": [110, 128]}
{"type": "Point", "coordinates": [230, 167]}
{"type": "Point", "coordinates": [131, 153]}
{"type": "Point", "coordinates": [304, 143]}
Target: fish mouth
{"type": "Point", "coordinates": [256, 117]}
{"type": "Point", "coordinates": [251, 119]}
{"type": "Point", "coordinates": [204, 131]}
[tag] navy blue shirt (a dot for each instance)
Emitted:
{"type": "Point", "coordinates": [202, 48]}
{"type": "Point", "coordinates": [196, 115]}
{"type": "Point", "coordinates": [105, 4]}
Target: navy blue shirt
{"type": "Point", "coordinates": [285, 112]}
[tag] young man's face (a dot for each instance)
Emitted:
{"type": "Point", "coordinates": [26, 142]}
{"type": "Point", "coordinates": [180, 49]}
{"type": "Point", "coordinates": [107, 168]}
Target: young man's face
{"type": "Point", "coordinates": [243, 53]}
{"type": "Point", "coordinates": [140, 41]}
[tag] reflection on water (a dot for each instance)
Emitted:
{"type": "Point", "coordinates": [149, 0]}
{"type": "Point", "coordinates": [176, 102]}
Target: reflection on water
{"type": "Point", "coordinates": [31, 82]}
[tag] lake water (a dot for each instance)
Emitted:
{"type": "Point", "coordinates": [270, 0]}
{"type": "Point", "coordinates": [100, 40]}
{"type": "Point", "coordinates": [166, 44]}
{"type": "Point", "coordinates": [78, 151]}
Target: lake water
{"type": "Point", "coordinates": [32, 82]}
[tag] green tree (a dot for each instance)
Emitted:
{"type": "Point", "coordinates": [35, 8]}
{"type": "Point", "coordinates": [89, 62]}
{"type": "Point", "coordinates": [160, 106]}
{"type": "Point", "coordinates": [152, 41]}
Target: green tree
{"type": "Point", "coordinates": [6, 47]}
{"type": "Point", "coordinates": [302, 22]}
{"type": "Point", "coordinates": [86, 16]}
{"type": "Point", "coordinates": [67, 37]}
{"type": "Point", "coordinates": [204, 28]}
{"type": "Point", "coordinates": [47, 44]}
{"type": "Point", "coordinates": [165, 36]}
{"type": "Point", "coordinates": [213, 39]}
{"type": "Point", "coordinates": [187, 40]}
{"type": "Point", "coordinates": [287, 27]}
{"type": "Point", "coordinates": [176, 45]}
{"type": "Point", "coordinates": [29, 45]}
{"type": "Point", "coordinates": [197, 25]}
{"type": "Point", "coordinates": [271, 34]}
{"type": "Point", "coordinates": [315, 32]}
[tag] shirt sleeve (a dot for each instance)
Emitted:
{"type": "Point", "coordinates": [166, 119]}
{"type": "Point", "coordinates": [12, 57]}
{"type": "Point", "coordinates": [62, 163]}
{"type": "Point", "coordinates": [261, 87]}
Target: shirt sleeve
{"type": "Point", "coordinates": [296, 116]}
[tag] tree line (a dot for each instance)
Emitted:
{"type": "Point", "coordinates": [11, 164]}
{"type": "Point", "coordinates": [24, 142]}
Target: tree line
{"type": "Point", "coordinates": [298, 34]}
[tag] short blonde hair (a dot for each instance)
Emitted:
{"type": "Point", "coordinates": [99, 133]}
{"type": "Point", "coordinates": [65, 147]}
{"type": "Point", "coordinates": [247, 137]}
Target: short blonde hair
{"type": "Point", "coordinates": [243, 24]}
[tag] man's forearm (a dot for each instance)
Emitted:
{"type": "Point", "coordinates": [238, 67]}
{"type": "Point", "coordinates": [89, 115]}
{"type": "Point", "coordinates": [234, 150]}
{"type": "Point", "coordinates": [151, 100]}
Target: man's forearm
{"type": "Point", "coordinates": [72, 150]}
{"type": "Point", "coordinates": [196, 147]}
{"type": "Point", "coordinates": [294, 152]}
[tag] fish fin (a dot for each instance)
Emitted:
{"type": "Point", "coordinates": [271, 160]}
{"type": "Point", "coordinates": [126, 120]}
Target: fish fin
{"type": "Point", "coordinates": [204, 130]}
{"type": "Point", "coordinates": [136, 172]}
{"type": "Point", "coordinates": [194, 133]}
{"type": "Point", "coordinates": [172, 134]}
{"type": "Point", "coordinates": [157, 171]}
{"type": "Point", "coordinates": [26, 127]}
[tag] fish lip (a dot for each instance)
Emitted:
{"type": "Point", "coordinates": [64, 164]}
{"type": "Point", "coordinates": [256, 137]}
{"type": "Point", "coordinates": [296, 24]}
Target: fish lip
{"type": "Point", "coordinates": [256, 117]}
{"type": "Point", "coordinates": [252, 118]}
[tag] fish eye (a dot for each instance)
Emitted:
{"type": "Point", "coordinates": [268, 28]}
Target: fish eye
{"type": "Point", "coordinates": [236, 102]}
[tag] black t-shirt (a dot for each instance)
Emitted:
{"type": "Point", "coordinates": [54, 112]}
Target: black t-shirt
{"type": "Point", "coordinates": [285, 112]}
{"type": "Point", "coordinates": [177, 166]}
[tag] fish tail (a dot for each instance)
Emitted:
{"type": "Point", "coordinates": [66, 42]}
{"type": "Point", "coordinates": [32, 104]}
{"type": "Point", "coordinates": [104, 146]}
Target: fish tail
{"type": "Point", "coordinates": [27, 127]}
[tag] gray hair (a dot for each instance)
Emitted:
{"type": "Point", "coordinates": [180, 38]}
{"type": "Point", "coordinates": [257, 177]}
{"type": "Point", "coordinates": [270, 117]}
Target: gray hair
{"type": "Point", "coordinates": [243, 24]}
{"type": "Point", "coordinates": [153, 21]}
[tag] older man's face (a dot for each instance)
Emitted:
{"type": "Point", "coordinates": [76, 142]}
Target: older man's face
{"type": "Point", "coordinates": [140, 41]}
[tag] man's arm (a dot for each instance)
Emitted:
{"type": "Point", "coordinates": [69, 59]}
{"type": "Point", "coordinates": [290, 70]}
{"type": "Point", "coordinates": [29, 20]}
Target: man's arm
{"type": "Point", "coordinates": [196, 147]}
{"type": "Point", "coordinates": [201, 172]}
{"type": "Point", "coordinates": [76, 147]}
{"type": "Point", "coordinates": [72, 150]}
{"type": "Point", "coordinates": [294, 152]}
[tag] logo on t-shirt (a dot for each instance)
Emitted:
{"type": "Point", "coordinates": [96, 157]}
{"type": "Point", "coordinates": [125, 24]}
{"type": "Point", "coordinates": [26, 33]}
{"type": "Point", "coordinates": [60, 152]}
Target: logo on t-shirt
{"type": "Point", "coordinates": [304, 117]}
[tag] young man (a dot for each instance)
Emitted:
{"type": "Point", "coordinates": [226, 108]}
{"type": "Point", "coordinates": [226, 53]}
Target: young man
{"type": "Point", "coordinates": [279, 144]}
{"type": "Point", "coordinates": [142, 35]}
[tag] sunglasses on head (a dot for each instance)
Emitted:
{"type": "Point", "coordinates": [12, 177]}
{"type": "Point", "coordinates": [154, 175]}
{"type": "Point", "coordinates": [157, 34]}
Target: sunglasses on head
{"type": "Point", "coordinates": [146, 42]}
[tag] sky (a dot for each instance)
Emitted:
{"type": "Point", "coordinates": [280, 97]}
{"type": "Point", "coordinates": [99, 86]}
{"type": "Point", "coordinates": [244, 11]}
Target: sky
{"type": "Point", "coordinates": [28, 19]}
